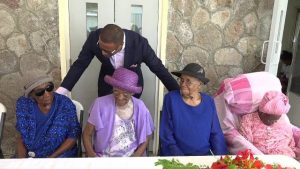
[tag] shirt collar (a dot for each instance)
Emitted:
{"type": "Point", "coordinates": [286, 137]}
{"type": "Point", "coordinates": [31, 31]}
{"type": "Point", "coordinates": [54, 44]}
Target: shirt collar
{"type": "Point", "coordinates": [124, 42]}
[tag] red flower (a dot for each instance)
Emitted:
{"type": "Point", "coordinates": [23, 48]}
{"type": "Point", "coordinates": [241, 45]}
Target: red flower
{"type": "Point", "coordinates": [274, 166]}
{"type": "Point", "coordinates": [258, 164]}
{"type": "Point", "coordinates": [245, 154]}
{"type": "Point", "coordinates": [268, 166]}
{"type": "Point", "coordinates": [217, 165]}
{"type": "Point", "coordinates": [243, 160]}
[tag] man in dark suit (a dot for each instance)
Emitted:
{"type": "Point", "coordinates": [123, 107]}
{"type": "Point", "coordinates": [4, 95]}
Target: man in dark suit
{"type": "Point", "coordinates": [115, 47]}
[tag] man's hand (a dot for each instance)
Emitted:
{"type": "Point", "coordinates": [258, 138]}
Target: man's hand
{"type": "Point", "coordinates": [63, 91]}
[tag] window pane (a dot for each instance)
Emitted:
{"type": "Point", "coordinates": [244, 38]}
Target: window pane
{"type": "Point", "coordinates": [91, 17]}
{"type": "Point", "coordinates": [136, 18]}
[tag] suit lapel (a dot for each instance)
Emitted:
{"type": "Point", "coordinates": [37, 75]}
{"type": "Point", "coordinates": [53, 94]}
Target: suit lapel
{"type": "Point", "coordinates": [127, 50]}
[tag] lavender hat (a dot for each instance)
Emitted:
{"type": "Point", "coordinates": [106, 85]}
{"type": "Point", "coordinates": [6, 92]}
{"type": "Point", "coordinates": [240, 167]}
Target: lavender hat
{"type": "Point", "coordinates": [124, 79]}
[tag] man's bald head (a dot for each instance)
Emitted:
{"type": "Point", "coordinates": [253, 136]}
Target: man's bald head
{"type": "Point", "coordinates": [112, 33]}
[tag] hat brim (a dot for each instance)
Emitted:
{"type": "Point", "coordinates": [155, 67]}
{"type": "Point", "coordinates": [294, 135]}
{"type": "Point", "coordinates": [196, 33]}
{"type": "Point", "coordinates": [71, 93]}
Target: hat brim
{"type": "Point", "coordinates": [115, 83]}
{"type": "Point", "coordinates": [202, 79]}
{"type": "Point", "coordinates": [45, 79]}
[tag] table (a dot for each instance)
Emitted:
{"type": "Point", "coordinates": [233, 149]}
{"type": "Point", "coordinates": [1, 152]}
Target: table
{"type": "Point", "coordinates": [125, 162]}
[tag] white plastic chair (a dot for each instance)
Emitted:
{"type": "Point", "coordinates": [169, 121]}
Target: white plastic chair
{"type": "Point", "coordinates": [2, 120]}
{"type": "Point", "coordinates": [79, 111]}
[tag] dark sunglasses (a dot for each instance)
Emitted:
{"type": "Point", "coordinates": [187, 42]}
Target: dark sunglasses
{"type": "Point", "coordinates": [41, 92]}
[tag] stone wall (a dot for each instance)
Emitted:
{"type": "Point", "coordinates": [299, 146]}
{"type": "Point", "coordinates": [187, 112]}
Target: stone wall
{"type": "Point", "coordinates": [224, 36]}
{"type": "Point", "coordinates": [28, 42]}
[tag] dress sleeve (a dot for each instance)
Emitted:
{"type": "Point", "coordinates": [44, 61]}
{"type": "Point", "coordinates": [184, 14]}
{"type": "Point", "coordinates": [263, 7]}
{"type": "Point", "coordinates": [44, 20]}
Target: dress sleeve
{"type": "Point", "coordinates": [145, 125]}
{"type": "Point", "coordinates": [217, 140]}
{"type": "Point", "coordinates": [246, 127]}
{"type": "Point", "coordinates": [95, 115]}
{"type": "Point", "coordinates": [168, 143]}
{"type": "Point", "coordinates": [74, 126]}
{"type": "Point", "coordinates": [85, 57]}
{"type": "Point", "coordinates": [21, 110]}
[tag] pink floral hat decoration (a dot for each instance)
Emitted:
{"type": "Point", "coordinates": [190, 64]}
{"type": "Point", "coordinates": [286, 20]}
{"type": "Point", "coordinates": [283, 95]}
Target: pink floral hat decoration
{"type": "Point", "coordinates": [124, 79]}
{"type": "Point", "coordinates": [275, 102]}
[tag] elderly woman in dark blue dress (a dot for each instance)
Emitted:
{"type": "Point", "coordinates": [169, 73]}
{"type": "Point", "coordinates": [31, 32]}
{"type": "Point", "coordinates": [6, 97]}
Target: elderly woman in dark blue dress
{"type": "Point", "coordinates": [47, 123]}
{"type": "Point", "coordinates": [189, 123]}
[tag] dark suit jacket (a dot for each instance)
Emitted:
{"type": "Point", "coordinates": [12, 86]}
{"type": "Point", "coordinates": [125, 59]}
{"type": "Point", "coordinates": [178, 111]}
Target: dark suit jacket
{"type": "Point", "coordinates": [137, 51]}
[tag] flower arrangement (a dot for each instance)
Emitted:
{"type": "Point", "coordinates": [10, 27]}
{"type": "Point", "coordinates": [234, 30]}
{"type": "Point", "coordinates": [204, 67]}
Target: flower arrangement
{"type": "Point", "coordinates": [243, 160]}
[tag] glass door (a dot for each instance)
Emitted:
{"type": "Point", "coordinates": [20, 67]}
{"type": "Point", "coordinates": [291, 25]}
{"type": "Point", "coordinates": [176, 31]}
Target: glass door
{"type": "Point", "coordinates": [87, 15]}
{"type": "Point", "coordinates": [294, 79]}
{"type": "Point", "coordinates": [274, 42]}
{"type": "Point", "coordinates": [142, 17]}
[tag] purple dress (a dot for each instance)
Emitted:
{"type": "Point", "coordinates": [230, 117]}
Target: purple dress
{"type": "Point", "coordinates": [102, 116]}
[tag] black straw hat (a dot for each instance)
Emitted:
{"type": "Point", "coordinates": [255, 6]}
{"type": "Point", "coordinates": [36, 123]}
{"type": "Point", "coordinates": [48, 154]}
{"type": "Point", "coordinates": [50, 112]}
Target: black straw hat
{"type": "Point", "coordinates": [194, 70]}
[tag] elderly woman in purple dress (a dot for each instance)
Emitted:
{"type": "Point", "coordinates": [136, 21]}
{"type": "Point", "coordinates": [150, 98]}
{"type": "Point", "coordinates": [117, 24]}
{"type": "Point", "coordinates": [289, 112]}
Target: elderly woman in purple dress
{"type": "Point", "coordinates": [120, 123]}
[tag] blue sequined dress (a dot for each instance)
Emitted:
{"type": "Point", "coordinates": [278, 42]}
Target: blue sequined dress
{"type": "Point", "coordinates": [44, 138]}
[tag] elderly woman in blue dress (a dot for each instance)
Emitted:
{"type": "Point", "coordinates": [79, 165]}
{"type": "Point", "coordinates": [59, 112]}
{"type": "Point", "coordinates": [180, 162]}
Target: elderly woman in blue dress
{"type": "Point", "coordinates": [189, 123]}
{"type": "Point", "coordinates": [47, 123]}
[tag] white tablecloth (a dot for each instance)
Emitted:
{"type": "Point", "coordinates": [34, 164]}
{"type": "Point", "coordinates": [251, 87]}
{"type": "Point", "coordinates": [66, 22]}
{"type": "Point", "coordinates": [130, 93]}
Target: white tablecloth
{"type": "Point", "coordinates": [124, 163]}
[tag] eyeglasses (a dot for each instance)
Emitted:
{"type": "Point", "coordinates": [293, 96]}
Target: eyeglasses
{"type": "Point", "coordinates": [188, 82]}
{"type": "Point", "coordinates": [41, 92]}
{"type": "Point", "coordinates": [110, 53]}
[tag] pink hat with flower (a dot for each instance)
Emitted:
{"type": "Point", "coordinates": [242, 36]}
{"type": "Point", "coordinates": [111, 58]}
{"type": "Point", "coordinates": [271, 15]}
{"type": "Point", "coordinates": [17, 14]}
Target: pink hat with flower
{"type": "Point", "coordinates": [274, 102]}
{"type": "Point", "coordinates": [124, 79]}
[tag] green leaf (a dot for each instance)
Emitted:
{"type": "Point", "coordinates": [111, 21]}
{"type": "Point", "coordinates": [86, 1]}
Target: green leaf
{"type": "Point", "coordinates": [175, 164]}
{"type": "Point", "coordinates": [232, 166]}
